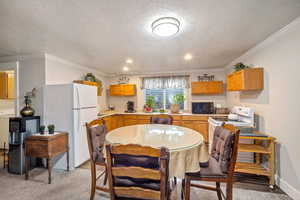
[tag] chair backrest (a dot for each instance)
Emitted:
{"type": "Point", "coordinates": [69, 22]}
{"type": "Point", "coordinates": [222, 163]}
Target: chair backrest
{"type": "Point", "coordinates": [96, 132]}
{"type": "Point", "coordinates": [224, 147]}
{"type": "Point", "coordinates": [161, 119]}
{"type": "Point", "coordinates": [137, 172]}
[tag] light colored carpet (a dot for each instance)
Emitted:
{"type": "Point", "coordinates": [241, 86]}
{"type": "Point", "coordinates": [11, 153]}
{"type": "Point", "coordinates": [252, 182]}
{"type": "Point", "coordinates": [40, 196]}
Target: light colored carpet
{"type": "Point", "coordinates": [75, 185]}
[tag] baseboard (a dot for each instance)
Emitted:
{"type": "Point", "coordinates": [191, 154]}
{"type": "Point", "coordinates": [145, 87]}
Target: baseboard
{"type": "Point", "coordinates": [288, 189]}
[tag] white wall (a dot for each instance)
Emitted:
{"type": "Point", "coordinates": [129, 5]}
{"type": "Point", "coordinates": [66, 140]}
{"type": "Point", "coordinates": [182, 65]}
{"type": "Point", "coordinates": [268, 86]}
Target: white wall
{"type": "Point", "coordinates": [60, 71]}
{"type": "Point", "coordinates": [139, 99]}
{"type": "Point", "coordinates": [30, 74]}
{"type": "Point", "coordinates": [278, 104]}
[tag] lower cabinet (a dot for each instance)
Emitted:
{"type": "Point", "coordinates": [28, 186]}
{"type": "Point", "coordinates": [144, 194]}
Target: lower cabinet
{"type": "Point", "coordinates": [197, 123]}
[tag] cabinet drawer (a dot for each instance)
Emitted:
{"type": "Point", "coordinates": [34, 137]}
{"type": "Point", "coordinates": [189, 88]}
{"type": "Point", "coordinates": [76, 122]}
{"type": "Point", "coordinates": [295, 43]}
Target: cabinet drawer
{"type": "Point", "coordinates": [129, 117]}
{"type": "Point", "coordinates": [177, 123]}
{"type": "Point", "coordinates": [176, 117]}
{"type": "Point", "coordinates": [130, 122]}
{"type": "Point", "coordinates": [195, 118]}
{"type": "Point", "coordinates": [147, 117]}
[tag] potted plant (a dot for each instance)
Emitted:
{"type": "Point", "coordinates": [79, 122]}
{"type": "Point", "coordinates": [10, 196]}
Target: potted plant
{"type": "Point", "coordinates": [42, 129]}
{"type": "Point", "coordinates": [240, 66]}
{"type": "Point", "coordinates": [177, 100]}
{"type": "Point", "coordinates": [149, 104]}
{"type": "Point", "coordinates": [51, 128]}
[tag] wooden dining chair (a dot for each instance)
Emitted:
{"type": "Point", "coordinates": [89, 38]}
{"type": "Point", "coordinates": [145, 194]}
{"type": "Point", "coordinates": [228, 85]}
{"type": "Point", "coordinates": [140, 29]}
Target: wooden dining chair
{"type": "Point", "coordinates": [221, 164]}
{"type": "Point", "coordinates": [96, 131]}
{"type": "Point", "coordinates": [161, 119]}
{"type": "Point", "coordinates": [137, 172]}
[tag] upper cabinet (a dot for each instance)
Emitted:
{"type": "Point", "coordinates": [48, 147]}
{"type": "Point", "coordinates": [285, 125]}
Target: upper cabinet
{"type": "Point", "coordinates": [207, 87]}
{"type": "Point", "coordinates": [246, 79]}
{"type": "Point", "coordinates": [7, 86]}
{"type": "Point", "coordinates": [122, 90]}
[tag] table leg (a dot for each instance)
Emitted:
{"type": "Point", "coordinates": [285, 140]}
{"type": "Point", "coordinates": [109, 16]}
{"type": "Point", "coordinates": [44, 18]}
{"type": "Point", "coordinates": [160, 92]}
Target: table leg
{"type": "Point", "coordinates": [49, 163]}
{"type": "Point", "coordinates": [68, 159]}
{"type": "Point", "coordinates": [26, 167]}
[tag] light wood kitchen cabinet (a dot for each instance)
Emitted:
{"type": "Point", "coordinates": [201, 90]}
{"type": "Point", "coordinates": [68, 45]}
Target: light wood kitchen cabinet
{"type": "Point", "coordinates": [7, 86]}
{"type": "Point", "coordinates": [122, 90]}
{"type": "Point", "coordinates": [207, 87]}
{"type": "Point", "coordinates": [108, 122]}
{"type": "Point", "coordinates": [143, 119]}
{"type": "Point", "coordinates": [246, 79]}
{"type": "Point", "coordinates": [129, 120]}
{"type": "Point", "coordinates": [197, 123]}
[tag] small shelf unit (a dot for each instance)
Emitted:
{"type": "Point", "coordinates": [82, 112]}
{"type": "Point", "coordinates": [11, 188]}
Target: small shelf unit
{"type": "Point", "coordinates": [262, 146]}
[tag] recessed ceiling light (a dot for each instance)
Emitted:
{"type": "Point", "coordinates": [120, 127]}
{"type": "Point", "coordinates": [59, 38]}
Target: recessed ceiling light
{"type": "Point", "coordinates": [165, 26]}
{"type": "Point", "coordinates": [129, 61]}
{"type": "Point", "coordinates": [125, 68]}
{"type": "Point", "coordinates": [188, 56]}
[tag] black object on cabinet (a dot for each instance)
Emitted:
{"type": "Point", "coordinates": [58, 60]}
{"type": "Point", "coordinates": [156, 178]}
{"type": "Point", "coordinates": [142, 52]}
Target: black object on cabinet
{"type": "Point", "coordinates": [19, 129]}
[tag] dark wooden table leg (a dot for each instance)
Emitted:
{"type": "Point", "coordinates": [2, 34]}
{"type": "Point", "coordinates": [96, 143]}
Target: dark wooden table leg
{"type": "Point", "coordinates": [68, 159]}
{"type": "Point", "coordinates": [49, 163]}
{"type": "Point", "coordinates": [26, 167]}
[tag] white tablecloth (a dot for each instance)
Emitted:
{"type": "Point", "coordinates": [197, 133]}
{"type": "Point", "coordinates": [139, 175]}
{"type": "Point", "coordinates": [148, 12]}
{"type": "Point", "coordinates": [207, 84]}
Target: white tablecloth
{"type": "Point", "coordinates": [185, 145]}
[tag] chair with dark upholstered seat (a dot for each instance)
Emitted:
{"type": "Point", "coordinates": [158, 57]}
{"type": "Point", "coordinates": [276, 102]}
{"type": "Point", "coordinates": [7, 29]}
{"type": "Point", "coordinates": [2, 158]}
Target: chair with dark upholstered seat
{"type": "Point", "coordinates": [161, 119]}
{"type": "Point", "coordinates": [96, 131]}
{"type": "Point", "coordinates": [221, 163]}
{"type": "Point", "coordinates": [137, 172]}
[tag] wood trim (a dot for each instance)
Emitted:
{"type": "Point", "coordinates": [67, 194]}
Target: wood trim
{"type": "Point", "coordinates": [136, 172]}
{"type": "Point", "coordinates": [137, 192]}
{"type": "Point", "coordinates": [135, 150]}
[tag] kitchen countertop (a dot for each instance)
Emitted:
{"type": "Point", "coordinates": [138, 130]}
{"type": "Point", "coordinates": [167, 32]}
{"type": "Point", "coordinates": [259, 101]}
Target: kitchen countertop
{"type": "Point", "coordinates": [110, 113]}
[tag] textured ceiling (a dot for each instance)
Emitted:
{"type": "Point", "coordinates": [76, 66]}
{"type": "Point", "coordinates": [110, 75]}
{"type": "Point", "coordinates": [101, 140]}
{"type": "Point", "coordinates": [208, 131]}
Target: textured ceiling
{"type": "Point", "coordinates": [103, 33]}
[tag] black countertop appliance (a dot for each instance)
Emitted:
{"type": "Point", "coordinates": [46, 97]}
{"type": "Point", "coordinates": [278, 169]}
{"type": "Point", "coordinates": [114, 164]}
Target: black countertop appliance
{"type": "Point", "coordinates": [130, 107]}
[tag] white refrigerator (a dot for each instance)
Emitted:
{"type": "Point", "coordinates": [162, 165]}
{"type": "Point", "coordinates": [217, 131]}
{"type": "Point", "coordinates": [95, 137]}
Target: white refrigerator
{"type": "Point", "coordinates": [69, 107]}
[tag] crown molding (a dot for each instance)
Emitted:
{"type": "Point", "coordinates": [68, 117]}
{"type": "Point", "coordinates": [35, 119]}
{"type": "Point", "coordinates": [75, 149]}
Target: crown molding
{"type": "Point", "coordinates": [177, 72]}
{"type": "Point", "coordinates": [269, 40]}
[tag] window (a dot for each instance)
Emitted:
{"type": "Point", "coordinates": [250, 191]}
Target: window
{"type": "Point", "coordinates": [163, 97]}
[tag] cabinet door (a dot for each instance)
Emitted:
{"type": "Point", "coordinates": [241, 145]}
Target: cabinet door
{"type": "Point", "coordinates": [230, 82]}
{"type": "Point", "coordinates": [108, 123]}
{"type": "Point", "coordinates": [11, 87]}
{"type": "Point", "coordinates": [119, 121]}
{"type": "Point", "coordinates": [128, 90]}
{"type": "Point", "coordinates": [202, 127]}
{"type": "Point", "coordinates": [215, 87]}
{"type": "Point", "coordinates": [113, 122]}
{"type": "Point", "coordinates": [239, 80]}
{"type": "Point", "coordinates": [177, 123]}
{"type": "Point", "coordinates": [114, 90]}
{"type": "Point", "coordinates": [129, 122]}
{"type": "Point", "coordinates": [3, 85]}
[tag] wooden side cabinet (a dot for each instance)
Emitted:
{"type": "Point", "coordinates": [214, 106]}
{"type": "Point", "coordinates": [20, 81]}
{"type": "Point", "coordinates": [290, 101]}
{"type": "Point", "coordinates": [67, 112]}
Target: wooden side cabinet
{"type": "Point", "coordinates": [46, 146]}
{"type": "Point", "coordinates": [122, 90]}
{"type": "Point", "coordinates": [207, 87]}
{"type": "Point", "coordinates": [7, 86]}
{"type": "Point", "coordinates": [262, 146]}
{"type": "Point", "coordinates": [247, 79]}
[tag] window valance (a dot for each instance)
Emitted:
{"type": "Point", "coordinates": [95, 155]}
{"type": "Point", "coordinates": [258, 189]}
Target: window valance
{"type": "Point", "coordinates": [165, 82]}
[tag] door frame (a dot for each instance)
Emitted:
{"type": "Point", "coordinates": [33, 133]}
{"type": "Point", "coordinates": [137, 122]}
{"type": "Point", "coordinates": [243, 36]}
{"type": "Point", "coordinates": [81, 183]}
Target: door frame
{"type": "Point", "coordinates": [13, 66]}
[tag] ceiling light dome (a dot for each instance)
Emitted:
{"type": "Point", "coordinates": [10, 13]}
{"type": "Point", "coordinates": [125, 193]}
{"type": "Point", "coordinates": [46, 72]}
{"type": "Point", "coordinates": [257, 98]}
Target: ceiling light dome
{"type": "Point", "coordinates": [165, 26]}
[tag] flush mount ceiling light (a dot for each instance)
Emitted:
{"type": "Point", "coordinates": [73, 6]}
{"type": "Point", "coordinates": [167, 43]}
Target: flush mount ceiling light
{"type": "Point", "coordinates": [188, 56]}
{"type": "Point", "coordinates": [165, 26]}
{"type": "Point", "coordinates": [129, 61]}
{"type": "Point", "coordinates": [125, 68]}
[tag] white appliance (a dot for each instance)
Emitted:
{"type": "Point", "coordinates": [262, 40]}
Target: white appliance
{"type": "Point", "coordinates": [69, 107]}
{"type": "Point", "coordinates": [243, 118]}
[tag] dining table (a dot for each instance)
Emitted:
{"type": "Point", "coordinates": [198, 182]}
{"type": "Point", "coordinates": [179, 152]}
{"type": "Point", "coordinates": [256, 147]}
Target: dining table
{"type": "Point", "coordinates": [186, 146]}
